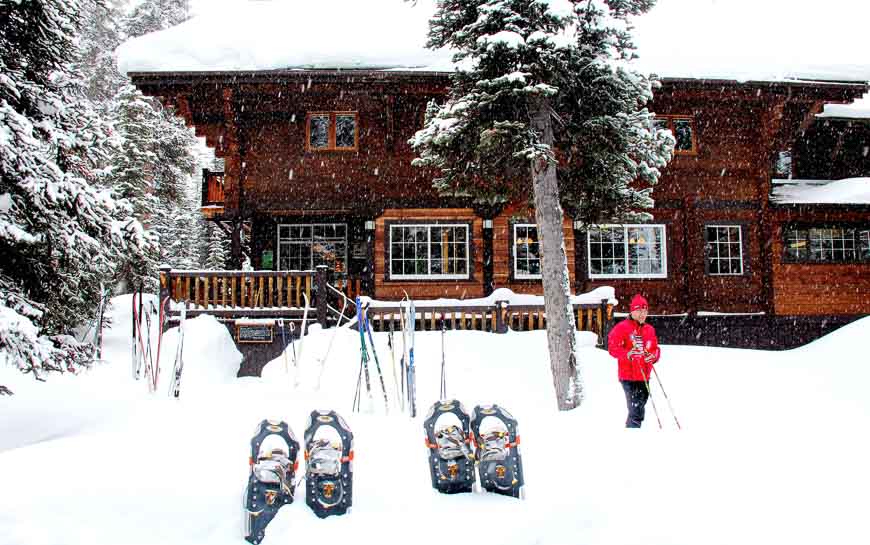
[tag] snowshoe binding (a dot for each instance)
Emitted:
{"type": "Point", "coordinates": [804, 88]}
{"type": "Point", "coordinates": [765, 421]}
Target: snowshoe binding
{"type": "Point", "coordinates": [328, 464]}
{"type": "Point", "coordinates": [451, 461]}
{"type": "Point", "coordinates": [497, 450]}
{"type": "Point", "coordinates": [271, 483]}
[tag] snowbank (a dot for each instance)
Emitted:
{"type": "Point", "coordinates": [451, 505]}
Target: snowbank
{"type": "Point", "coordinates": [209, 353]}
{"type": "Point", "coordinates": [846, 191]}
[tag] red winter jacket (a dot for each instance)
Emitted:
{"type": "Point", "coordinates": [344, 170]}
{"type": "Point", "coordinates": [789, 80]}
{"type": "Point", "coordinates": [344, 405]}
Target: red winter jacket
{"type": "Point", "coordinates": [621, 341]}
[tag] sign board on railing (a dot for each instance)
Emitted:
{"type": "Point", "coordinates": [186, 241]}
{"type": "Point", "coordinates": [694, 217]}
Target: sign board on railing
{"type": "Point", "coordinates": [253, 332]}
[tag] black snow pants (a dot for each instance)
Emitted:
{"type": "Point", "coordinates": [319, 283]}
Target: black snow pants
{"type": "Point", "coordinates": [636, 395]}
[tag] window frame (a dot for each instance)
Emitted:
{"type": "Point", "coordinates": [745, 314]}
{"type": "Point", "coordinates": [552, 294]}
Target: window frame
{"type": "Point", "coordinates": [514, 257]}
{"type": "Point", "coordinates": [807, 226]}
{"type": "Point", "coordinates": [278, 241]}
{"type": "Point", "coordinates": [670, 121]}
{"type": "Point", "coordinates": [428, 225]}
{"type": "Point", "coordinates": [741, 244]}
{"type": "Point", "coordinates": [331, 138]}
{"type": "Point", "coordinates": [629, 276]}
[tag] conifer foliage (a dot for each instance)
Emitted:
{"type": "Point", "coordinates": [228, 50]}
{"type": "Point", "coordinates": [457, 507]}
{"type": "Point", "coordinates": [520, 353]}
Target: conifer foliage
{"type": "Point", "coordinates": [545, 104]}
{"type": "Point", "coordinates": [60, 233]}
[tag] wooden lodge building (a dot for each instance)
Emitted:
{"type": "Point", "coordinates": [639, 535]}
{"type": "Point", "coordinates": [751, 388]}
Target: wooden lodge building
{"type": "Point", "coordinates": [317, 167]}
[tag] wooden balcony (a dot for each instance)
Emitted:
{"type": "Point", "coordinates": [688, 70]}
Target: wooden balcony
{"type": "Point", "coordinates": [212, 193]}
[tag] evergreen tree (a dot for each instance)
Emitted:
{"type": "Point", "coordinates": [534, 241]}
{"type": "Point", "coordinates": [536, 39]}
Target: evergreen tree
{"type": "Point", "coordinates": [217, 251]}
{"type": "Point", "coordinates": [545, 104]}
{"type": "Point", "coordinates": [60, 234]}
{"type": "Point", "coordinates": [154, 15]}
{"type": "Point", "coordinates": [102, 34]}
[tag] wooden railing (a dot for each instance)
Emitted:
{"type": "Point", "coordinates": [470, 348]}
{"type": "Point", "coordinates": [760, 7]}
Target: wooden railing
{"type": "Point", "coordinates": [497, 318]}
{"type": "Point", "coordinates": [239, 289]}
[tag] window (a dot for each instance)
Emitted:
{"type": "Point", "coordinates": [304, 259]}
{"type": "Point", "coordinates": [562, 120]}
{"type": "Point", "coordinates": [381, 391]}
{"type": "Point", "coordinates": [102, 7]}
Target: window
{"type": "Point", "coordinates": [429, 251]}
{"type": "Point", "coordinates": [329, 131]}
{"type": "Point", "coordinates": [827, 244]}
{"type": "Point", "coordinates": [303, 247]}
{"type": "Point", "coordinates": [527, 253]}
{"type": "Point", "coordinates": [724, 249]}
{"type": "Point", "coordinates": [683, 129]}
{"type": "Point", "coordinates": [627, 251]}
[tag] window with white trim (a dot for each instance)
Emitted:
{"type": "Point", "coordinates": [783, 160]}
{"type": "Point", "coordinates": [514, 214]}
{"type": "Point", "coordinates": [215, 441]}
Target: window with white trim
{"type": "Point", "coordinates": [428, 251]}
{"type": "Point", "coordinates": [302, 247]}
{"type": "Point", "coordinates": [724, 249]}
{"type": "Point", "coordinates": [527, 252]}
{"type": "Point", "coordinates": [627, 251]}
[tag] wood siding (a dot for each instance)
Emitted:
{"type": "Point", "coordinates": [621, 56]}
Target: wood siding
{"type": "Point", "coordinates": [804, 289]}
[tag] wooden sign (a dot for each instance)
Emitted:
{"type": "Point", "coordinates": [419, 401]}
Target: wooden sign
{"type": "Point", "coordinates": [254, 333]}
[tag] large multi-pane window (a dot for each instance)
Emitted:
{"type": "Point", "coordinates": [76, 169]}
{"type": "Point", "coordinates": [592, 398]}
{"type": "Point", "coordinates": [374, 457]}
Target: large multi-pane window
{"type": "Point", "coordinates": [421, 251]}
{"type": "Point", "coordinates": [303, 247]}
{"type": "Point", "coordinates": [625, 251]}
{"type": "Point", "coordinates": [327, 131]}
{"type": "Point", "coordinates": [527, 251]}
{"type": "Point", "coordinates": [827, 244]}
{"type": "Point", "coordinates": [724, 249]}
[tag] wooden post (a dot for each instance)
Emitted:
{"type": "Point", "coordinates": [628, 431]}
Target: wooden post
{"type": "Point", "coordinates": [501, 310]}
{"type": "Point", "coordinates": [607, 324]}
{"type": "Point", "coordinates": [165, 286]}
{"type": "Point", "coordinates": [320, 278]}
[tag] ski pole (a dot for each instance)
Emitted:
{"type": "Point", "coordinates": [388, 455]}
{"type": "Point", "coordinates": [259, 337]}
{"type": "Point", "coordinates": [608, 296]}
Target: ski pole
{"type": "Point", "coordinates": [649, 394]}
{"type": "Point", "coordinates": [443, 377]}
{"type": "Point", "coordinates": [284, 344]}
{"type": "Point", "coordinates": [368, 327]}
{"type": "Point", "coordinates": [671, 407]}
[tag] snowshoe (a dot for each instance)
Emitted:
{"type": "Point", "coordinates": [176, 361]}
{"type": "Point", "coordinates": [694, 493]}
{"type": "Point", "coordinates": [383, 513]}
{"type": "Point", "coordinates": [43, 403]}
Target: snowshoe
{"type": "Point", "coordinates": [451, 461]}
{"type": "Point", "coordinates": [329, 464]}
{"type": "Point", "coordinates": [497, 450]}
{"type": "Point", "coordinates": [271, 483]}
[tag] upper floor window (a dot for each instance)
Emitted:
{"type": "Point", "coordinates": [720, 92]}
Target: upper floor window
{"type": "Point", "coordinates": [328, 131]}
{"type": "Point", "coordinates": [724, 249]}
{"type": "Point", "coordinates": [425, 252]}
{"type": "Point", "coordinates": [527, 252]}
{"type": "Point", "coordinates": [835, 244]}
{"type": "Point", "coordinates": [683, 129]}
{"type": "Point", "coordinates": [627, 251]}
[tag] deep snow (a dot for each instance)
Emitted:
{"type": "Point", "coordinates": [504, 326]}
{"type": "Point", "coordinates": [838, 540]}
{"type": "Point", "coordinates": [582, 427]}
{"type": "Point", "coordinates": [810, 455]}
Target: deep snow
{"type": "Point", "coordinates": [773, 447]}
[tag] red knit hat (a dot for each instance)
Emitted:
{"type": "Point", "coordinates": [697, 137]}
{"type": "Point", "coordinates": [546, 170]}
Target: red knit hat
{"type": "Point", "coordinates": [638, 302]}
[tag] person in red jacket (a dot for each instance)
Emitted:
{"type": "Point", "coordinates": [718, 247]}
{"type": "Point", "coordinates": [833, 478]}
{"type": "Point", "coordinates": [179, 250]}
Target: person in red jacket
{"type": "Point", "coordinates": [634, 344]}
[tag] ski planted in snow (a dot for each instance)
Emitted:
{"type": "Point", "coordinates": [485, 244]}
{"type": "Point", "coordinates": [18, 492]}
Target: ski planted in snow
{"type": "Point", "coordinates": [368, 328]}
{"type": "Point", "coordinates": [363, 362]}
{"type": "Point", "coordinates": [412, 372]}
{"type": "Point", "coordinates": [497, 450]}
{"type": "Point", "coordinates": [271, 480]}
{"type": "Point", "coordinates": [328, 464]}
{"type": "Point", "coordinates": [175, 385]}
{"type": "Point", "coordinates": [448, 438]}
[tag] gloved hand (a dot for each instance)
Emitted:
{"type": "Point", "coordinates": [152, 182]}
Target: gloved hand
{"type": "Point", "coordinates": [649, 358]}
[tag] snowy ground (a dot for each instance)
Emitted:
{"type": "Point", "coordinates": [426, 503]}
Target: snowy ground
{"type": "Point", "coordinates": [773, 447]}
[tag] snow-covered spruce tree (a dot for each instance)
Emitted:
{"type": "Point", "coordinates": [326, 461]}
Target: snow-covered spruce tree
{"type": "Point", "coordinates": [164, 152]}
{"type": "Point", "coordinates": [60, 235]}
{"type": "Point", "coordinates": [545, 104]}
{"type": "Point", "coordinates": [100, 36]}
{"type": "Point", "coordinates": [217, 250]}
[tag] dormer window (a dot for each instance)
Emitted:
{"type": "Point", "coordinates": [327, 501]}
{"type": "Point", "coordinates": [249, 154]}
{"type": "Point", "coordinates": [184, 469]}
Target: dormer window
{"type": "Point", "coordinates": [332, 131]}
{"type": "Point", "coordinates": [683, 129]}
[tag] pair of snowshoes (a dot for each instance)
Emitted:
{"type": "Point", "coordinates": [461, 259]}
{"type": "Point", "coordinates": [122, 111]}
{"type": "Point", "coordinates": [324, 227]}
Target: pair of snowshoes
{"type": "Point", "coordinates": [273, 462]}
{"type": "Point", "coordinates": [450, 432]}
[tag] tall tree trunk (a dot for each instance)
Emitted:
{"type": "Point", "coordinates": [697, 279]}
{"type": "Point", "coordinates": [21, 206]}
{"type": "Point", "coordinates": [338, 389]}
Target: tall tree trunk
{"type": "Point", "coordinates": [554, 268]}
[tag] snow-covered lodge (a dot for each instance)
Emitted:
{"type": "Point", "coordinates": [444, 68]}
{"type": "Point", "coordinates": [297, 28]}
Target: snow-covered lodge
{"type": "Point", "coordinates": [314, 139]}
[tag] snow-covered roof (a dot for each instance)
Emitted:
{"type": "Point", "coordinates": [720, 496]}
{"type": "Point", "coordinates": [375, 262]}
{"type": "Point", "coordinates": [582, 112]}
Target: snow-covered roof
{"type": "Point", "coordinates": [677, 39]}
{"type": "Point", "coordinates": [860, 109]}
{"type": "Point", "coordinates": [846, 191]}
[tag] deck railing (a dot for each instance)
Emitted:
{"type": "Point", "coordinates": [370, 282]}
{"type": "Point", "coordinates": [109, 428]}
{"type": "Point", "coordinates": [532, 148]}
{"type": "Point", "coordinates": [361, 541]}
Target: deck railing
{"type": "Point", "coordinates": [281, 294]}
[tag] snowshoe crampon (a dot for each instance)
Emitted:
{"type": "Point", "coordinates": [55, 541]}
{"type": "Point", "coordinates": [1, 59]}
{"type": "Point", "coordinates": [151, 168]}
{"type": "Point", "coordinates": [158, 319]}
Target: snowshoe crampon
{"type": "Point", "coordinates": [271, 483]}
{"type": "Point", "coordinates": [497, 450]}
{"type": "Point", "coordinates": [451, 462]}
{"type": "Point", "coordinates": [328, 464]}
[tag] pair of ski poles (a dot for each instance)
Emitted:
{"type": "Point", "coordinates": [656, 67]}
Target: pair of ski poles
{"type": "Point", "coordinates": [662, 388]}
